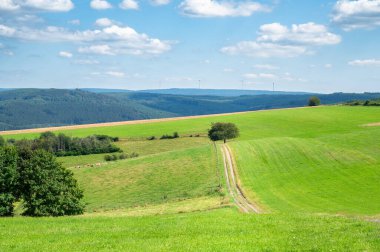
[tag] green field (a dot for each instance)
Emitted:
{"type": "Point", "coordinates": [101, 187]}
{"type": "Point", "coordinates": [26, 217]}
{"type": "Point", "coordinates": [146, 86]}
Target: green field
{"type": "Point", "coordinates": [304, 167]}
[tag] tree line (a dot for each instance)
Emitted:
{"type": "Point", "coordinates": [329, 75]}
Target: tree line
{"type": "Point", "coordinates": [61, 145]}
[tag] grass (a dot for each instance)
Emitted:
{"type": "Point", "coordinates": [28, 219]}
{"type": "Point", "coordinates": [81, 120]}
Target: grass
{"type": "Point", "coordinates": [153, 179]}
{"type": "Point", "coordinates": [315, 170]}
{"type": "Point", "coordinates": [219, 230]}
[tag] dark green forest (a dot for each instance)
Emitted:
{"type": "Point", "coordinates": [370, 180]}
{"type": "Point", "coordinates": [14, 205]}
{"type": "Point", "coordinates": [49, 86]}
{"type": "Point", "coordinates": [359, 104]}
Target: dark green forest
{"type": "Point", "coordinates": [33, 108]}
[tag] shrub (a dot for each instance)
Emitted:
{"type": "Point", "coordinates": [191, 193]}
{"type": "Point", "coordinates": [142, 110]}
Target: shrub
{"type": "Point", "coordinates": [314, 101]}
{"type": "Point", "coordinates": [123, 156]}
{"type": "Point", "coordinates": [166, 136]}
{"type": "Point", "coordinates": [175, 135]}
{"type": "Point", "coordinates": [151, 138]}
{"type": "Point", "coordinates": [107, 158]}
{"type": "Point", "coordinates": [134, 155]}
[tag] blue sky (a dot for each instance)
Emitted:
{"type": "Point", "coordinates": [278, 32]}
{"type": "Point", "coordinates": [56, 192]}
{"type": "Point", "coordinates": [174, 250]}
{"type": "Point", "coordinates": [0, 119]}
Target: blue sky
{"type": "Point", "coordinates": [319, 46]}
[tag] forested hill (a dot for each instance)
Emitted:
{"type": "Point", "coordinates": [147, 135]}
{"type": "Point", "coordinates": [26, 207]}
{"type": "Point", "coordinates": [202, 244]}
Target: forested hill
{"type": "Point", "coordinates": [31, 108]}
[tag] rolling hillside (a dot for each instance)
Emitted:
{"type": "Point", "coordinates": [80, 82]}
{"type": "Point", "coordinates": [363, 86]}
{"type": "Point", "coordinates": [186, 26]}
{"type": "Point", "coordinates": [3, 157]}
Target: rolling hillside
{"type": "Point", "coordinates": [313, 171]}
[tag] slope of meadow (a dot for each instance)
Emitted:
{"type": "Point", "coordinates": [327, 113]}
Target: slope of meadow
{"type": "Point", "coordinates": [303, 166]}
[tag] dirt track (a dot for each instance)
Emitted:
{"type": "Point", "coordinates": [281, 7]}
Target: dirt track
{"type": "Point", "coordinates": [373, 124]}
{"type": "Point", "coordinates": [240, 200]}
{"type": "Point", "coordinates": [95, 125]}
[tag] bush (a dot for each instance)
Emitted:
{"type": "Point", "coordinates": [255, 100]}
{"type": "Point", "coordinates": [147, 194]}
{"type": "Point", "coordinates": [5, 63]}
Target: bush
{"type": "Point", "coordinates": [151, 138]}
{"type": "Point", "coordinates": [166, 136]}
{"type": "Point", "coordinates": [123, 156]}
{"type": "Point", "coordinates": [107, 158]}
{"type": "Point", "coordinates": [314, 101]}
{"type": "Point", "coordinates": [2, 141]}
{"type": "Point", "coordinates": [175, 135]}
{"type": "Point", "coordinates": [134, 155]}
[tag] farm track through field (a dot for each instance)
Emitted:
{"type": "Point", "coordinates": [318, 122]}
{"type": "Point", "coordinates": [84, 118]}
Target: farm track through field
{"type": "Point", "coordinates": [232, 184]}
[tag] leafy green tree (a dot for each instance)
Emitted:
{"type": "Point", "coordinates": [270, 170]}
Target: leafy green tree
{"type": "Point", "coordinates": [47, 188]}
{"type": "Point", "coordinates": [8, 179]}
{"type": "Point", "coordinates": [223, 131]}
{"type": "Point", "coordinates": [2, 141]}
{"type": "Point", "coordinates": [314, 101]}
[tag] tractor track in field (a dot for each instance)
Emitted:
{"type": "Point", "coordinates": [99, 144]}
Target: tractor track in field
{"type": "Point", "coordinates": [232, 184]}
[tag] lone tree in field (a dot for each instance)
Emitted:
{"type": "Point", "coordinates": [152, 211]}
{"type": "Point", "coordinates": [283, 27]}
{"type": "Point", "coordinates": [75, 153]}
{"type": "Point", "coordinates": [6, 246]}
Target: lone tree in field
{"type": "Point", "coordinates": [223, 131]}
{"type": "Point", "coordinates": [314, 101]}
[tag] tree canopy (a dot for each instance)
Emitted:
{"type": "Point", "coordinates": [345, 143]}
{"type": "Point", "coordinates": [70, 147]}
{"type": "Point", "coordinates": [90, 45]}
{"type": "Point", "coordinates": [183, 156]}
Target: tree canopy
{"type": "Point", "coordinates": [223, 131]}
{"type": "Point", "coordinates": [314, 101]}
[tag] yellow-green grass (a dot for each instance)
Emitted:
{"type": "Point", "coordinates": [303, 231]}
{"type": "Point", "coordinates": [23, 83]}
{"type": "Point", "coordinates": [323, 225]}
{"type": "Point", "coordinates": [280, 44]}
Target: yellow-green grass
{"type": "Point", "coordinates": [218, 230]}
{"type": "Point", "coordinates": [151, 179]}
{"type": "Point", "coordinates": [141, 146]}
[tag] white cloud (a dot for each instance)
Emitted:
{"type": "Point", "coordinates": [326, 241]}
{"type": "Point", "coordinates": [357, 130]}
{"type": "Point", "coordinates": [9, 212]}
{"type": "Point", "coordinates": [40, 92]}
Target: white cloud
{"type": "Point", "coordinates": [276, 40]}
{"type": "Point", "coordinates": [116, 74]}
{"type": "Point", "coordinates": [64, 54]}
{"type": "Point", "coordinates": [47, 5]}
{"type": "Point", "coordinates": [86, 62]}
{"type": "Point", "coordinates": [104, 22]}
{"type": "Point", "coordinates": [264, 50]}
{"type": "Point", "coordinates": [365, 62]}
{"type": "Point", "coordinates": [74, 22]}
{"type": "Point", "coordinates": [8, 5]}
{"type": "Point", "coordinates": [109, 40]}
{"type": "Point", "coordinates": [216, 8]}
{"type": "Point", "coordinates": [260, 76]}
{"type": "Point", "coordinates": [357, 14]}
{"type": "Point", "coordinates": [309, 34]}
{"type": "Point", "coordinates": [265, 66]}
{"type": "Point", "coordinates": [129, 5]}
{"type": "Point", "coordinates": [328, 65]}
{"type": "Point", "coordinates": [160, 2]}
{"type": "Point", "coordinates": [100, 4]}
{"type": "Point", "coordinates": [97, 49]}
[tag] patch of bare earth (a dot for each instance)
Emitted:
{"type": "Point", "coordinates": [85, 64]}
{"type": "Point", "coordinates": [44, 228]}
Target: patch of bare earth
{"type": "Point", "coordinates": [372, 124]}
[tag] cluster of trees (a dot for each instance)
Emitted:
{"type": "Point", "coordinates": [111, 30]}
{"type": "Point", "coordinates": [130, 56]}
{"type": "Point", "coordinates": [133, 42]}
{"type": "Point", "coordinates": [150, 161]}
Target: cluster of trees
{"type": "Point", "coordinates": [375, 102]}
{"type": "Point", "coordinates": [35, 178]}
{"type": "Point", "coordinates": [62, 145]}
{"type": "Point", "coordinates": [314, 101]}
{"type": "Point", "coordinates": [121, 156]}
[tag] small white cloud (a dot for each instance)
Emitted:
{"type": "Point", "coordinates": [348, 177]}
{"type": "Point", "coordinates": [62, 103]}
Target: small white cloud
{"type": "Point", "coordinates": [265, 66]}
{"type": "Point", "coordinates": [86, 62]}
{"type": "Point", "coordinates": [260, 76]}
{"type": "Point", "coordinates": [357, 14]}
{"type": "Point", "coordinates": [216, 8]}
{"type": "Point", "coordinates": [129, 5]}
{"type": "Point", "coordinates": [328, 65]}
{"type": "Point", "coordinates": [160, 2]}
{"type": "Point", "coordinates": [65, 54]}
{"type": "Point", "coordinates": [116, 74]}
{"type": "Point", "coordinates": [97, 49]}
{"type": "Point", "coordinates": [104, 22]}
{"type": "Point", "coordinates": [100, 4]}
{"type": "Point", "coordinates": [8, 5]}
{"type": "Point", "coordinates": [264, 50]}
{"type": "Point", "coordinates": [49, 5]}
{"type": "Point", "coordinates": [365, 62]}
{"type": "Point", "coordinates": [74, 22]}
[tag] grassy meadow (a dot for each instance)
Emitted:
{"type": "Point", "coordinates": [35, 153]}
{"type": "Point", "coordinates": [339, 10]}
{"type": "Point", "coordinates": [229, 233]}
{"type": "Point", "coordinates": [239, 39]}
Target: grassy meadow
{"type": "Point", "coordinates": [314, 171]}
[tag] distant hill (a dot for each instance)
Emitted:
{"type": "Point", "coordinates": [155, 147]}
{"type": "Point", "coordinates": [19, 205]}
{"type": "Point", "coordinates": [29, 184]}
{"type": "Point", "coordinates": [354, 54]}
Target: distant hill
{"type": "Point", "coordinates": [32, 108]}
{"type": "Point", "coordinates": [217, 92]}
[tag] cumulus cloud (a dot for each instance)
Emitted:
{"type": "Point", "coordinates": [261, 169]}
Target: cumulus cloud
{"type": "Point", "coordinates": [129, 5]}
{"type": "Point", "coordinates": [216, 8]}
{"type": "Point", "coordinates": [47, 5]}
{"type": "Point", "coordinates": [260, 76]}
{"type": "Point", "coordinates": [277, 40]}
{"type": "Point", "coordinates": [100, 5]}
{"type": "Point", "coordinates": [309, 33]}
{"type": "Point", "coordinates": [110, 40]}
{"type": "Point", "coordinates": [64, 54]}
{"type": "Point", "coordinates": [357, 14]}
{"type": "Point", "coordinates": [104, 22]}
{"type": "Point", "coordinates": [365, 62]}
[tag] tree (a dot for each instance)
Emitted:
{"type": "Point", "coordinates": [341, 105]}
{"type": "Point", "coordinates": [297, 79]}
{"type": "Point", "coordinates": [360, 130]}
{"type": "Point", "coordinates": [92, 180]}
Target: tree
{"type": "Point", "coordinates": [223, 131]}
{"type": "Point", "coordinates": [2, 141]}
{"type": "Point", "coordinates": [46, 187]}
{"type": "Point", "coordinates": [314, 101]}
{"type": "Point", "coordinates": [8, 180]}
